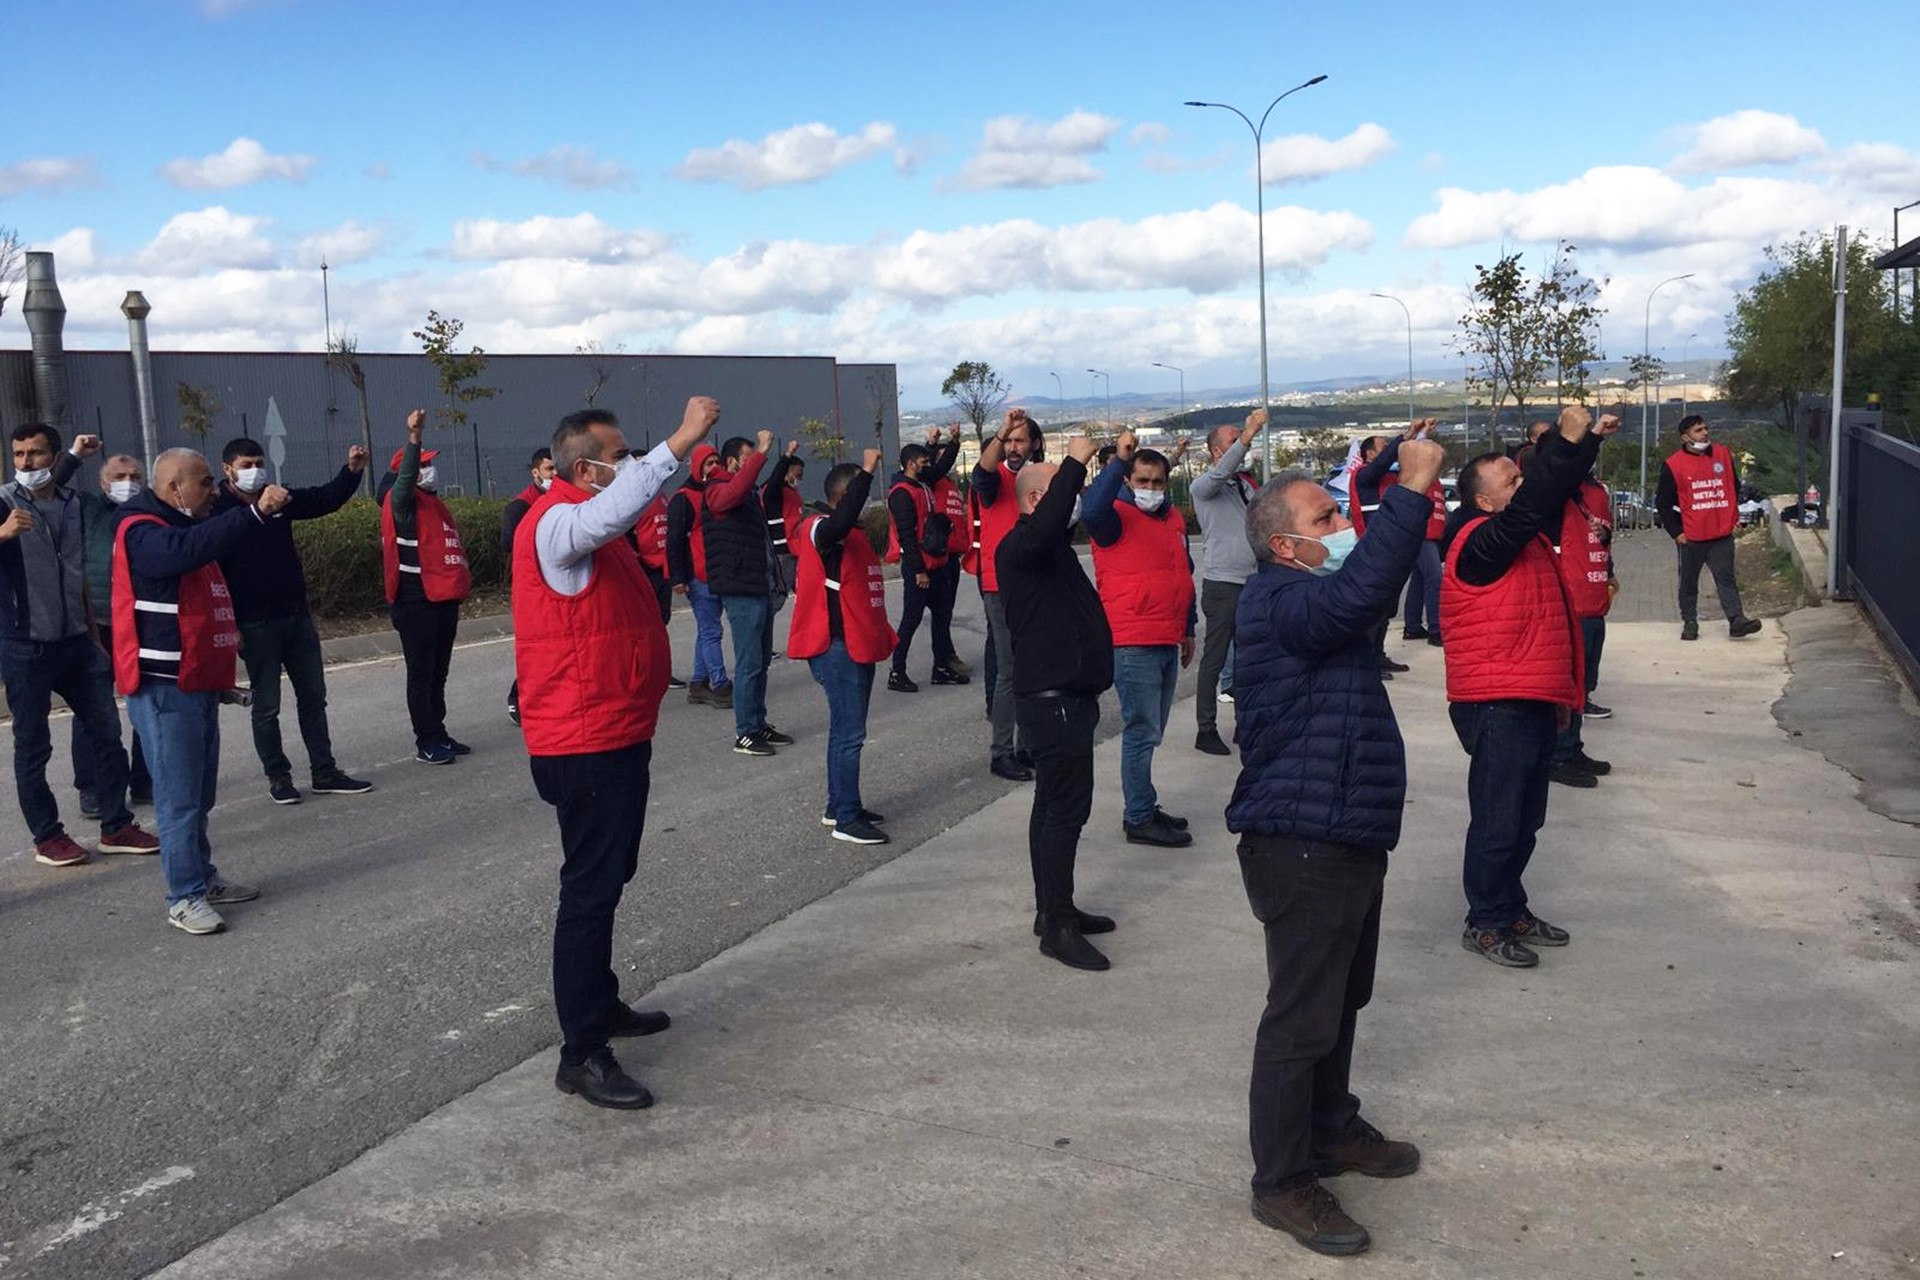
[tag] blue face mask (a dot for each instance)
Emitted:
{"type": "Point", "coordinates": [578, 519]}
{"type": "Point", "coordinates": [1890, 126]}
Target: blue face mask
{"type": "Point", "coordinates": [1338, 546]}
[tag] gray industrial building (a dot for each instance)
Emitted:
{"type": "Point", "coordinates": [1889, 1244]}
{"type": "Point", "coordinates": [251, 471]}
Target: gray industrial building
{"type": "Point", "coordinates": [307, 411]}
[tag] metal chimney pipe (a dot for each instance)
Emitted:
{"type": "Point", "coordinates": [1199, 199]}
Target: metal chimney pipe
{"type": "Point", "coordinates": [46, 316]}
{"type": "Point", "coordinates": [136, 310]}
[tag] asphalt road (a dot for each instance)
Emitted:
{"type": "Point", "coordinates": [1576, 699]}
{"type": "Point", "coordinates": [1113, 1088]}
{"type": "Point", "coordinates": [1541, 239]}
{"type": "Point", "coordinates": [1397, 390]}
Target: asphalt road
{"type": "Point", "coordinates": [157, 1088]}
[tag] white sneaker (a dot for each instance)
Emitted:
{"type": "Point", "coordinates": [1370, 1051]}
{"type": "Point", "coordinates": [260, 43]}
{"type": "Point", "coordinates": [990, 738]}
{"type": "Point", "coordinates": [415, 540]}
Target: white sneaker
{"type": "Point", "coordinates": [195, 916]}
{"type": "Point", "coordinates": [1225, 695]}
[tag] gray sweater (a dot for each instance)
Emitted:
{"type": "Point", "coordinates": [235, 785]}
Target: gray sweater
{"type": "Point", "coordinates": [1221, 497]}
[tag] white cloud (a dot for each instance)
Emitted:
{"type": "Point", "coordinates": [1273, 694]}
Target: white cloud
{"type": "Point", "coordinates": [1875, 168]}
{"type": "Point", "coordinates": [1745, 139]}
{"type": "Point", "coordinates": [567, 165]}
{"type": "Point", "coordinates": [47, 175]}
{"type": "Point", "coordinates": [1150, 132]}
{"type": "Point", "coordinates": [582, 236]}
{"type": "Point", "coordinates": [1018, 152]}
{"type": "Point", "coordinates": [804, 153]}
{"type": "Point", "coordinates": [243, 163]}
{"type": "Point", "coordinates": [351, 241]}
{"type": "Point", "coordinates": [1301, 157]}
{"type": "Point", "coordinates": [207, 240]}
{"type": "Point", "coordinates": [379, 171]}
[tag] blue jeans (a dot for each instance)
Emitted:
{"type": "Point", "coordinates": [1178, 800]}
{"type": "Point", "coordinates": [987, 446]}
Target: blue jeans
{"type": "Point", "coordinates": [1226, 672]}
{"type": "Point", "coordinates": [182, 736]}
{"type": "Point", "coordinates": [1144, 675]}
{"type": "Point", "coordinates": [849, 689]}
{"type": "Point", "coordinates": [1423, 588]}
{"type": "Point", "coordinates": [751, 618]}
{"type": "Point", "coordinates": [709, 659]}
{"type": "Point", "coordinates": [1511, 745]}
{"type": "Point", "coordinates": [76, 669]}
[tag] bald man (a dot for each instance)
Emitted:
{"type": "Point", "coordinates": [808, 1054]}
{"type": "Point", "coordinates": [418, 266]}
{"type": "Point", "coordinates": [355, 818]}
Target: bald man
{"type": "Point", "coordinates": [175, 645]}
{"type": "Point", "coordinates": [1062, 663]}
{"type": "Point", "coordinates": [1221, 495]}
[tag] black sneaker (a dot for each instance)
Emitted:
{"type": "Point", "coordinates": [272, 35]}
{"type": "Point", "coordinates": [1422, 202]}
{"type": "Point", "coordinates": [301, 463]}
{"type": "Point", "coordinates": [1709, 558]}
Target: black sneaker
{"type": "Point", "coordinates": [438, 753]}
{"type": "Point", "coordinates": [1689, 631]}
{"type": "Point", "coordinates": [1594, 711]}
{"type": "Point", "coordinates": [858, 832]}
{"type": "Point", "coordinates": [625, 1021]}
{"type": "Point", "coordinates": [901, 682]}
{"type": "Point", "coordinates": [1065, 943]}
{"type": "Point", "coordinates": [1744, 628]}
{"type": "Point", "coordinates": [600, 1080]}
{"type": "Point", "coordinates": [1415, 633]}
{"type": "Point", "coordinates": [336, 783]}
{"type": "Point", "coordinates": [1169, 819]}
{"type": "Point", "coordinates": [1572, 775]}
{"type": "Point", "coordinates": [1011, 769]}
{"type": "Point", "coordinates": [1388, 664]}
{"type": "Point", "coordinates": [281, 788]}
{"type": "Point", "coordinates": [1535, 932]}
{"type": "Point", "coordinates": [698, 692]}
{"type": "Point", "coordinates": [1023, 757]}
{"type": "Point", "coordinates": [866, 815]}
{"type": "Point", "coordinates": [458, 748]}
{"type": "Point", "coordinates": [1436, 641]}
{"type": "Point", "coordinates": [945, 675]}
{"type": "Point", "coordinates": [1208, 740]}
{"type": "Point", "coordinates": [675, 682]}
{"type": "Point", "coordinates": [720, 697]}
{"type": "Point", "coordinates": [770, 734]}
{"type": "Point", "coordinates": [513, 712]}
{"type": "Point", "coordinates": [1155, 832]}
{"type": "Point", "coordinates": [1499, 946]}
{"type": "Point", "coordinates": [752, 745]}
{"type": "Point", "coordinates": [1598, 768]}
{"type": "Point", "coordinates": [1089, 922]}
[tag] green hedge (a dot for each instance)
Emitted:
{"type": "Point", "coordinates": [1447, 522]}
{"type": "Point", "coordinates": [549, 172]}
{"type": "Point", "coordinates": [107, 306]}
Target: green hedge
{"type": "Point", "coordinates": [342, 554]}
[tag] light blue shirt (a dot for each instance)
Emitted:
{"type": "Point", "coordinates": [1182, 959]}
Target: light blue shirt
{"type": "Point", "coordinates": [570, 532]}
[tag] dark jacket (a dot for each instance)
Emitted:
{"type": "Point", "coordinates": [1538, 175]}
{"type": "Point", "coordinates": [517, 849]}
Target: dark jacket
{"type": "Point", "coordinates": [733, 525]}
{"type": "Point", "coordinates": [99, 518]}
{"type": "Point", "coordinates": [513, 513]}
{"type": "Point", "coordinates": [1320, 751]}
{"type": "Point", "coordinates": [1061, 639]}
{"type": "Point", "coordinates": [264, 573]}
{"type": "Point", "coordinates": [1554, 471]}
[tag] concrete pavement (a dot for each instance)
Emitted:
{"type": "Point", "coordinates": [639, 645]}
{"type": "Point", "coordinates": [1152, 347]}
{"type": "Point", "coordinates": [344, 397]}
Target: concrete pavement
{"type": "Point", "coordinates": [1717, 1079]}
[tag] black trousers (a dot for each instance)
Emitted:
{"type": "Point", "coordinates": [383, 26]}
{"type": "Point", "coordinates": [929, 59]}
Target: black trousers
{"type": "Point", "coordinates": [1320, 906]}
{"type": "Point", "coordinates": [946, 592]}
{"type": "Point", "coordinates": [427, 629]}
{"type": "Point", "coordinates": [914, 600]}
{"type": "Point", "coordinates": [291, 644]}
{"type": "Point", "coordinates": [1717, 558]}
{"type": "Point", "coordinates": [1218, 601]}
{"type": "Point", "coordinates": [1058, 733]}
{"type": "Point", "coordinates": [601, 800]}
{"type": "Point", "coordinates": [1511, 748]}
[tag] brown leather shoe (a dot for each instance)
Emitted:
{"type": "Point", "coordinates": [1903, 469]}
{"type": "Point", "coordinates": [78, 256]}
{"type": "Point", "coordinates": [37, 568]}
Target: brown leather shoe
{"type": "Point", "coordinates": [1310, 1214]}
{"type": "Point", "coordinates": [1364, 1149]}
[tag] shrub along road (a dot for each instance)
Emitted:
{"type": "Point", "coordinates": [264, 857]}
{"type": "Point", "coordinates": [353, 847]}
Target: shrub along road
{"type": "Point", "coordinates": [158, 1089]}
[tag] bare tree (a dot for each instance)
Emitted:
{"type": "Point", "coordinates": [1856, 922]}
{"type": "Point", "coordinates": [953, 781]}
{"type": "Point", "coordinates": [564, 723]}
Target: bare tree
{"type": "Point", "coordinates": [879, 393]}
{"type": "Point", "coordinates": [13, 264]}
{"type": "Point", "coordinates": [343, 353]}
{"type": "Point", "coordinates": [600, 366]}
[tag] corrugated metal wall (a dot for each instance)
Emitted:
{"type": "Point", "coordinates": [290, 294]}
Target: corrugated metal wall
{"type": "Point", "coordinates": [315, 414]}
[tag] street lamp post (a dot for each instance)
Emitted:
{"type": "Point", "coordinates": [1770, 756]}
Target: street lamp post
{"type": "Point", "coordinates": [1183, 390]}
{"type": "Point", "coordinates": [1060, 389]}
{"type": "Point", "coordinates": [1097, 374]}
{"type": "Point", "coordinates": [1646, 356]}
{"type": "Point", "coordinates": [1403, 306]}
{"type": "Point", "coordinates": [1260, 225]}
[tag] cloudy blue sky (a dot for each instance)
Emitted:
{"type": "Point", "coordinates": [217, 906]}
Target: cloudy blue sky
{"type": "Point", "coordinates": [923, 184]}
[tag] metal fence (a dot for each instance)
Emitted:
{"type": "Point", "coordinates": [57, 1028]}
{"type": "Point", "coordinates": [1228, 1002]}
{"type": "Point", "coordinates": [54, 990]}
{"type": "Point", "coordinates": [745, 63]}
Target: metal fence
{"type": "Point", "coordinates": [1880, 481]}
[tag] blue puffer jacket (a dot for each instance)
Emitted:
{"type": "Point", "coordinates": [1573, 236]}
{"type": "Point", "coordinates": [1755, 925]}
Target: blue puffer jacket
{"type": "Point", "coordinates": [1320, 753]}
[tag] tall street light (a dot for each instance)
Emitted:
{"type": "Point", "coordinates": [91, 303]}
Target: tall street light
{"type": "Point", "coordinates": [1646, 357]}
{"type": "Point", "coordinates": [1097, 374]}
{"type": "Point", "coordinates": [1403, 306]}
{"type": "Point", "coordinates": [1060, 389]}
{"type": "Point", "coordinates": [1260, 225]}
{"type": "Point", "coordinates": [1183, 391]}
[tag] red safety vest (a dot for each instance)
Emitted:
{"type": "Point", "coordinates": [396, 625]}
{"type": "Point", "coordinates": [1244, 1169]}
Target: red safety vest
{"type": "Point", "coordinates": [1354, 511]}
{"type": "Point", "coordinates": [1146, 584]}
{"type": "Point", "coordinates": [1437, 518]}
{"type": "Point", "coordinates": [1709, 508]}
{"type": "Point", "coordinates": [437, 556]}
{"type": "Point", "coordinates": [593, 666]}
{"type": "Point", "coordinates": [947, 498]}
{"type": "Point", "coordinates": [1514, 638]}
{"type": "Point", "coordinates": [650, 535]}
{"type": "Point", "coordinates": [990, 525]}
{"type": "Point", "coordinates": [862, 588]}
{"type": "Point", "coordinates": [1583, 556]}
{"type": "Point", "coordinates": [186, 634]}
{"type": "Point", "coordinates": [923, 501]}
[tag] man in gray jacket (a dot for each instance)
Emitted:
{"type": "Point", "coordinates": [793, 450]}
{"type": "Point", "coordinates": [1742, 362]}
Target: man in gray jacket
{"type": "Point", "coordinates": [1221, 496]}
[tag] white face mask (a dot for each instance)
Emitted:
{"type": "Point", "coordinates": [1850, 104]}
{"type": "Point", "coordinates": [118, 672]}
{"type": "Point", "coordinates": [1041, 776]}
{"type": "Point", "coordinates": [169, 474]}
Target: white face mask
{"type": "Point", "coordinates": [543, 483]}
{"type": "Point", "coordinates": [38, 478]}
{"type": "Point", "coordinates": [250, 479]}
{"type": "Point", "coordinates": [1149, 500]}
{"type": "Point", "coordinates": [1698, 446]}
{"type": "Point", "coordinates": [429, 476]}
{"type": "Point", "coordinates": [119, 491]}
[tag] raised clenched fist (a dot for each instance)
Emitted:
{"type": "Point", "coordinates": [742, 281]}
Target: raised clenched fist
{"type": "Point", "coordinates": [1255, 420]}
{"type": "Point", "coordinates": [1574, 421]}
{"type": "Point", "coordinates": [1123, 447]}
{"type": "Point", "coordinates": [357, 459]}
{"type": "Point", "coordinates": [763, 441]}
{"type": "Point", "coordinates": [793, 448]}
{"type": "Point", "coordinates": [416, 422]}
{"type": "Point", "coordinates": [272, 500]}
{"type": "Point", "coordinates": [1608, 424]}
{"type": "Point", "coordinates": [870, 460]}
{"type": "Point", "coordinates": [701, 413]}
{"type": "Point", "coordinates": [86, 446]}
{"type": "Point", "coordinates": [1081, 449]}
{"type": "Point", "coordinates": [1420, 463]}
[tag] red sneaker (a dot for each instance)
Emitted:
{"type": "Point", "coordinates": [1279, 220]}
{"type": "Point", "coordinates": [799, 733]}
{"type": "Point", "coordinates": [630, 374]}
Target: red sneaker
{"type": "Point", "coordinates": [59, 851]}
{"type": "Point", "coordinates": [129, 839]}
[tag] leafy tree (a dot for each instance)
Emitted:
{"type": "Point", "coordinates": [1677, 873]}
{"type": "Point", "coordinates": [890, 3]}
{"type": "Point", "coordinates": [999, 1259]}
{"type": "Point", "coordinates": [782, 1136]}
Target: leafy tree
{"type": "Point", "coordinates": [977, 392]}
{"type": "Point", "coordinates": [1570, 314]}
{"type": "Point", "coordinates": [823, 438]}
{"type": "Point", "coordinates": [456, 373]}
{"type": "Point", "coordinates": [1505, 330]}
{"type": "Point", "coordinates": [1322, 448]}
{"type": "Point", "coordinates": [1780, 335]}
{"type": "Point", "coordinates": [343, 353]}
{"type": "Point", "coordinates": [199, 406]}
